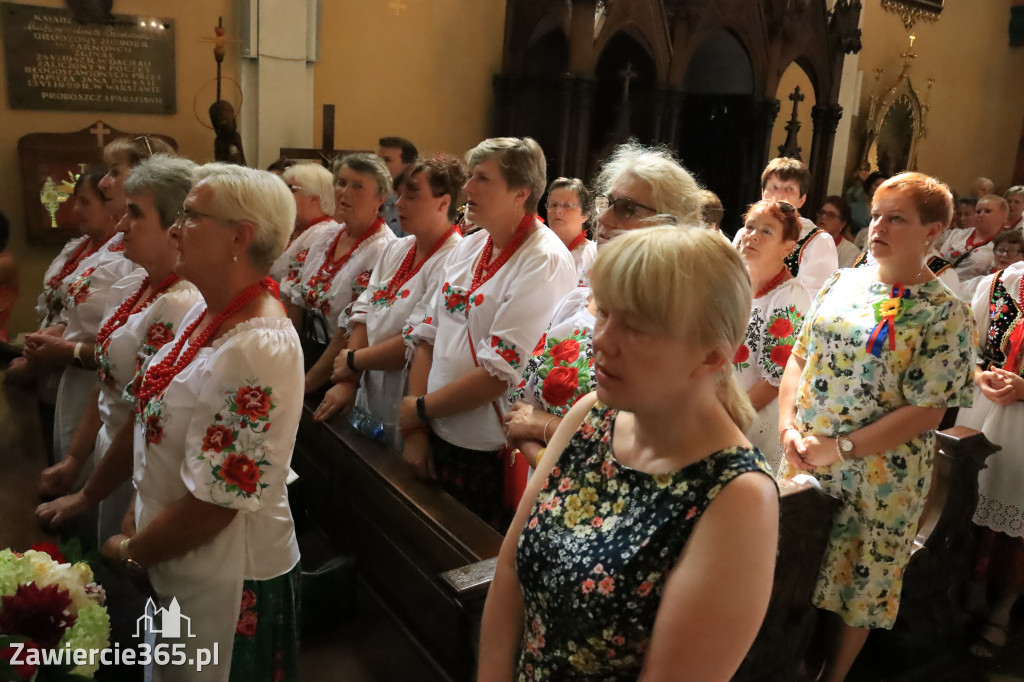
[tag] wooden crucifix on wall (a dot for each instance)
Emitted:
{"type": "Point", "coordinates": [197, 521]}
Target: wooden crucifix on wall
{"type": "Point", "coordinates": [326, 154]}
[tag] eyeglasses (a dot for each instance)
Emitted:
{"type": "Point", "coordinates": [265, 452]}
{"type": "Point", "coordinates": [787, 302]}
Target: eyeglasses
{"type": "Point", "coordinates": [1007, 252]}
{"type": "Point", "coordinates": [191, 215]}
{"type": "Point", "coordinates": [828, 214]}
{"type": "Point", "coordinates": [296, 189]}
{"type": "Point", "coordinates": [556, 206]}
{"type": "Point", "coordinates": [625, 208]}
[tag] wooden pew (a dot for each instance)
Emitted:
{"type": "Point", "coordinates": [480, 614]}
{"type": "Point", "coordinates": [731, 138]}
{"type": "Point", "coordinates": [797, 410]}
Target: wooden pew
{"type": "Point", "coordinates": [404, 535]}
{"type": "Point", "coordinates": [427, 562]}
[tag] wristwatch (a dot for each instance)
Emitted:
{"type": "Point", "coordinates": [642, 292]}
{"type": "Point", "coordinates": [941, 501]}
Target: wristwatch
{"type": "Point", "coordinates": [844, 447]}
{"type": "Point", "coordinates": [77, 356]}
{"type": "Point", "coordinates": [130, 564]}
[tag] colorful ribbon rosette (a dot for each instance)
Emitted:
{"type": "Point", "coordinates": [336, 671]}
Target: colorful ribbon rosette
{"type": "Point", "coordinates": [886, 314]}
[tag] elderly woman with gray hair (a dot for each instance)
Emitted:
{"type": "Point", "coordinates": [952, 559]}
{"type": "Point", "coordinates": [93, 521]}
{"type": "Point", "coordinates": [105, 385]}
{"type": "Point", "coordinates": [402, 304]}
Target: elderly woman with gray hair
{"type": "Point", "coordinates": [338, 265]}
{"type": "Point", "coordinates": [644, 186]}
{"type": "Point", "coordinates": [217, 410]}
{"type": "Point", "coordinates": [500, 285]}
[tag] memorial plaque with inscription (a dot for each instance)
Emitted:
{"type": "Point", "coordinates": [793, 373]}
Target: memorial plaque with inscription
{"type": "Point", "coordinates": [55, 63]}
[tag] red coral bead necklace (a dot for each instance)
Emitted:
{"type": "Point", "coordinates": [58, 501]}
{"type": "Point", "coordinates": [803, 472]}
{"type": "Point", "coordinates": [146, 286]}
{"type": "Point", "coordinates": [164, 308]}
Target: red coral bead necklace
{"type": "Point", "coordinates": [124, 311]}
{"type": "Point", "coordinates": [406, 271]}
{"type": "Point", "coordinates": [485, 269]}
{"type": "Point", "coordinates": [776, 281]}
{"type": "Point", "coordinates": [329, 268]}
{"type": "Point", "coordinates": [159, 375]}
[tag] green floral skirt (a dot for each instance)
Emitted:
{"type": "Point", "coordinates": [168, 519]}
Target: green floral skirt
{"type": "Point", "coordinates": [267, 635]}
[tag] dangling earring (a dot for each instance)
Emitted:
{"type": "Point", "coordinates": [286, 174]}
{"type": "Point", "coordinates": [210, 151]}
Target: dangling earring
{"type": "Point", "coordinates": [235, 257]}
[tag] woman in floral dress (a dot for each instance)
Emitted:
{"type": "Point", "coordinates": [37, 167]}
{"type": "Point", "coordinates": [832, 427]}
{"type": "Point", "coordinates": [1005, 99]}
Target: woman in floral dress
{"type": "Point", "coordinates": [644, 186]}
{"type": "Point", "coordinates": [883, 352]}
{"type": "Point", "coordinates": [216, 416]}
{"type": "Point", "coordinates": [645, 544]}
{"type": "Point", "coordinates": [401, 286]}
{"type": "Point", "coordinates": [339, 264]}
{"type": "Point", "coordinates": [499, 287]}
{"type": "Point", "coordinates": [769, 233]}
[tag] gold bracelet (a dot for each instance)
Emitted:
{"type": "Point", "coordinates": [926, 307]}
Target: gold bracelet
{"type": "Point", "coordinates": [544, 437]}
{"type": "Point", "coordinates": [540, 456]}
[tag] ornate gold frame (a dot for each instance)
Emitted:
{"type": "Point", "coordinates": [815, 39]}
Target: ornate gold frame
{"type": "Point", "coordinates": [912, 11]}
{"type": "Point", "coordinates": [902, 91]}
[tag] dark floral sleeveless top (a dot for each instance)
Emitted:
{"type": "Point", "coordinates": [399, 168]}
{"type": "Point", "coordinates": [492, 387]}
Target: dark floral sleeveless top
{"type": "Point", "coordinates": [1004, 316]}
{"type": "Point", "coordinates": [792, 261]}
{"type": "Point", "coordinates": [596, 552]}
{"type": "Point", "coordinates": [936, 264]}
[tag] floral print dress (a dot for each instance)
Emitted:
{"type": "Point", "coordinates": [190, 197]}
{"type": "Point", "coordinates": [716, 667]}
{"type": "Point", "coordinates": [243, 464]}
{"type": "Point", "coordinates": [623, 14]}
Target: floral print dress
{"type": "Point", "coordinates": [775, 321]}
{"type": "Point", "coordinates": [843, 388]}
{"type": "Point", "coordinates": [561, 369]}
{"type": "Point", "coordinates": [594, 557]}
{"type": "Point", "coordinates": [223, 431]}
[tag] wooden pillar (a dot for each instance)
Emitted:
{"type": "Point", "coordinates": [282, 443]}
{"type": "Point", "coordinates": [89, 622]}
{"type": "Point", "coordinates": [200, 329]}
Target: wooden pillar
{"type": "Point", "coordinates": [825, 119]}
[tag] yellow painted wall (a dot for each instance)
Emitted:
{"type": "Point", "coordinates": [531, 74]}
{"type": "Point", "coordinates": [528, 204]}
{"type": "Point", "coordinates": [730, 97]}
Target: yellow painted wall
{"type": "Point", "coordinates": [977, 101]}
{"type": "Point", "coordinates": [424, 74]}
{"type": "Point", "coordinates": [791, 78]}
{"type": "Point", "coordinates": [195, 67]}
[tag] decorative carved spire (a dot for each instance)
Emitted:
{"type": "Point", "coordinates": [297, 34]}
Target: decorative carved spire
{"type": "Point", "coordinates": [790, 148]}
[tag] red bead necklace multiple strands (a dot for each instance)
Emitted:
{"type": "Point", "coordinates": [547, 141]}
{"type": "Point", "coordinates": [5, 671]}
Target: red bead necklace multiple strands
{"type": "Point", "coordinates": [576, 243]}
{"type": "Point", "coordinates": [159, 375]}
{"type": "Point", "coordinates": [778, 279]}
{"type": "Point", "coordinates": [124, 311]}
{"type": "Point", "coordinates": [406, 271]}
{"type": "Point", "coordinates": [329, 268]}
{"type": "Point", "coordinates": [485, 269]}
{"type": "Point", "coordinates": [84, 250]}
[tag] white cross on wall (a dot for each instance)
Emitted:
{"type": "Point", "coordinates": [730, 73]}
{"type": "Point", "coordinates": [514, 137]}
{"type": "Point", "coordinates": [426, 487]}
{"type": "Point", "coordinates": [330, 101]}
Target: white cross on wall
{"type": "Point", "coordinates": [100, 131]}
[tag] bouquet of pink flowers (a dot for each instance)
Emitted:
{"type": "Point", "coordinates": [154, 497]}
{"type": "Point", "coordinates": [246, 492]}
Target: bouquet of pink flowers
{"type": "Point", "coordinates": [51, 617]}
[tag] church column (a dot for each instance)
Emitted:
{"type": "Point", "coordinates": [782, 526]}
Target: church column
{"type": "Point", "coordinates": [505, 89]}
{"type": "Point", "coordinates": [566, 86]}
{"type": "Point", "coordinates": [584, 100]}
{"type": "Point", "coordinates": [825, 119]}
{"type": "Point", "coordinates": [675, 109]}
{"type": "Point", "coordinates": [277, 78]}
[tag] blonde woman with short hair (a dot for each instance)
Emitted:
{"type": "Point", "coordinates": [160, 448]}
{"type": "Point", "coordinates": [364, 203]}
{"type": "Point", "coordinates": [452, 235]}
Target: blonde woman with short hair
{"type": "Point", "coordinates": [644, 546]}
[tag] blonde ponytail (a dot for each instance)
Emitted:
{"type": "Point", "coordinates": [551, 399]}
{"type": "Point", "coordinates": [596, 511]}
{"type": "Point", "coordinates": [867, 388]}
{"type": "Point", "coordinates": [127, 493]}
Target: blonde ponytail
{"type": "Point", "coordinates": [734, 399]}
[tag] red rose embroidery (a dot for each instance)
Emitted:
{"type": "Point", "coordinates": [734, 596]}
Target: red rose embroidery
{"type": "Point", "coordinates": [560, 385]}
{"type": "Point", "coordinates": [380, 295]}
{"type": "Point", "coordinates": [248, 600]}
{"type": "Point", "coordinates": [567, 351]}
{"type": "Point", "coordinates": [780, 354]}
{"type": "Point", "coordinates": [252, 402]}
{"type": "Point", "coordinates": [363, 280]}
{"type": "Point", "coordinates": [539, 348]}
{"type": "Point", "coordinates": [781, 328]}
{"type": "Point", "coordinates": [246, 624]}
{"type": "Point", "coordinates": [742, 354]}
{"type": "Point", "coordinates": [217, 438]}
{"type": "Point", "coordinates": [479, 300]}
{"type": "Point", "coordinates": [158, 334]}
{"type": "Point", "coordinates": [81, 294]}
{"type": "Point", "coordinates": [495, 341]}
{"type": "Point", "coordinates": [240, 471]}
{"type": "Point", "coordinates": [300, 257]}
{"type": "Point", "coordinates": [154, 432]}
{"type": "Point", "coordinates": [509, 355]}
